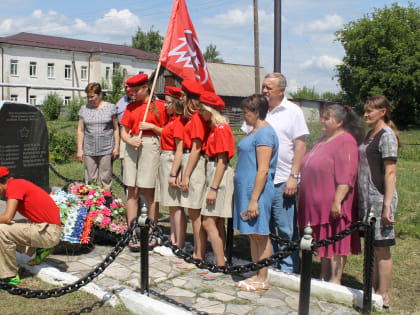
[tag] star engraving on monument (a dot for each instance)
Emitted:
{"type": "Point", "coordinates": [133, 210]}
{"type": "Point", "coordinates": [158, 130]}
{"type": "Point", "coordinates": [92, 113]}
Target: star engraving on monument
{"type": "Point", "coordinates": [24, 132]}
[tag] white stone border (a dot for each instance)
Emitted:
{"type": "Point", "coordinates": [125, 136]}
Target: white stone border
{"type": "Point", "coordinates": [325, 290]}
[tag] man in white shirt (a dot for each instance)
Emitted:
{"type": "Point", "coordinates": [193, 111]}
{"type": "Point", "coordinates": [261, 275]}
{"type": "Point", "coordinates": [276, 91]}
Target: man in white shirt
{"type": "Point", "coordinates": [289, 123]}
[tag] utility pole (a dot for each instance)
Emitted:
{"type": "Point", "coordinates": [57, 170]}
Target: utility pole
{"type": "Point", "coordinates": [277, 36]}
{"type": "Point", "coordinates": [256, 50]}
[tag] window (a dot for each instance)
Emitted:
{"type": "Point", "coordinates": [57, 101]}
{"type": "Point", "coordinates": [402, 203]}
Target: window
{"type": "Point", "coordinates": [14, 97]}
{"type": "Point", "coordinates": [83, 73]}
{"type": "Point", "coordinates": [107, 70]}
{"type": "Point", "coordinates": [67, 71]}
{"type": "Point", "coordinates": [32, 69]}
{"type": "Point", "coordinates": [50, 71]}
{"type": "Point", "coordinates": [67, 100]}
{"type": "Point", "coordinates": [115, 66]}
{"type": "Point", "coordinates": [13, 67]}
{"type": "Point", "coordinates": [32, 99]}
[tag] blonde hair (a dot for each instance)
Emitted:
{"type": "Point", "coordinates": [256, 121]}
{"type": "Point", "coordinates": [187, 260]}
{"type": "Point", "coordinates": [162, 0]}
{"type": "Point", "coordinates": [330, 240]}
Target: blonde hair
{"type": "Point", "coordinates": [381, 102]}
{"type": "Point", "coordinates": [216, 117]}
{"type": "Point", "coordinates": [191, 105]}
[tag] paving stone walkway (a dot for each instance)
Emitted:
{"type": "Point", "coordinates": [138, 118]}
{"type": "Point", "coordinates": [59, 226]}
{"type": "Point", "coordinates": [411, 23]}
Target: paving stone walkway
{"type": "Point", "coordinates": [187, 288]}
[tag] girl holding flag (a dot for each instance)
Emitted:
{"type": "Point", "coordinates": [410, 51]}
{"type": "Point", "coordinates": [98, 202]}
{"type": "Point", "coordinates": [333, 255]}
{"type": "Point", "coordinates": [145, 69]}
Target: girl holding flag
{"type": "Point", "coordinates": [142, 153]}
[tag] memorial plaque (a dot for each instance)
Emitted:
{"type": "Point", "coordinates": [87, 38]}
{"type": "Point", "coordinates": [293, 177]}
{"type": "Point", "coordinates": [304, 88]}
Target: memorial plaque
{"type": "Point", "coordinates": [24, 143]}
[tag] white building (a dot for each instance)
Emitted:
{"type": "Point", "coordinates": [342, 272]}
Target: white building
{"type": "Point", "coordinates": [49, 61]}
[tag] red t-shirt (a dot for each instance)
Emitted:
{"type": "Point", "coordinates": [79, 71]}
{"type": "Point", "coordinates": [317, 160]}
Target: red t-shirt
{"type": "Point", "coordinates": [173, 129]}
{"type": "Point", "coordinates": [33, 202]}
{"type": "Point", "coordinates": [220, 140]}
{"type": "Point", "coordinates": [195, 128]}
{"type": "Point", "coordinates": [134, 115]}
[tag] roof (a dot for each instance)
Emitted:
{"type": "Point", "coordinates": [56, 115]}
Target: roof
{"type": "Point", "coordinates": [232, 79]}
{"type": "Point", "coordinates": [54, 42]}
{"type": "Point", "coordinates": [235, 80]}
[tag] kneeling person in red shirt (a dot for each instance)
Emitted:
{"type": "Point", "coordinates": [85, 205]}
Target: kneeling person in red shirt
{"type": "Point", "coordinates": [43, 231]}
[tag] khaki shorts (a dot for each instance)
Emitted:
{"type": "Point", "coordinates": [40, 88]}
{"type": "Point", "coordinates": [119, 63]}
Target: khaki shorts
{"type": "Point", "coordinates": [167, 195]}
{"type": "Point", "coordinates": [223, 206]}
{"type": "Point", "coordinates": [141, 166]}
{"type": "Point", "coordinates": [193, 198]}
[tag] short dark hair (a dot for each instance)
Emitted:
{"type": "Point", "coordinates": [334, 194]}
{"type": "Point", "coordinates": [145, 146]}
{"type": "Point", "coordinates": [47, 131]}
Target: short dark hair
{"type": "Point", "coordinates": [93, 87]}
{"type": "Point", "coordinates": [3, 180]}
{"type": "Point", "coordinates": [256, 103]}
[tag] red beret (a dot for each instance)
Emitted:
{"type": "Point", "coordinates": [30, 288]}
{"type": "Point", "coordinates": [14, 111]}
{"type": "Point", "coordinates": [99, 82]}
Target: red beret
{"type": "Point", "coordinates": [173, 91]}
{"type": "Point", "coordinates": [213, 100]}
{"type": "Point", "coordinates": [192, 87]}
{"type": "Point", "coordinates": [4, 171]}
{"type": "Point", "coordinates": [137, 80]}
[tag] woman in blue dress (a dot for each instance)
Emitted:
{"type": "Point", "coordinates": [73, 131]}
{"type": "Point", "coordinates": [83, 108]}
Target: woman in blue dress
{"type": "Point", "coordinates": [254, 186]}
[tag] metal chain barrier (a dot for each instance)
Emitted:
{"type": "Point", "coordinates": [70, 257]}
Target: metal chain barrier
{"type": "Point", "coordinates": [338, 237]}
{"type": "Point", "coordinates": [57, 292]}
{"type": "Point", "coordinates": [179, 252]}
{"type": "Point", "coordinates": [71, 180]}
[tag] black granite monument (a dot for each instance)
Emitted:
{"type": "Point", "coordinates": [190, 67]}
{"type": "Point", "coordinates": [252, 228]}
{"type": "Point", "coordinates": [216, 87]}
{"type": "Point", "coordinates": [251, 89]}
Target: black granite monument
{"type": "Point", "coordinates": [24, 143]}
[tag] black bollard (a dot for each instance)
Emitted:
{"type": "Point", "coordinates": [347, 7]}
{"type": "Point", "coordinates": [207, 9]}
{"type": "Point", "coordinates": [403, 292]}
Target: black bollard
{"type": "Point", "coordinates": [144, 251]}
{"type": "Point", "coordinates": [368, 265]}
{"type": "Point", "coordinates": [306, 271]}
{"type": "Point", "coordinates": [229, 241]}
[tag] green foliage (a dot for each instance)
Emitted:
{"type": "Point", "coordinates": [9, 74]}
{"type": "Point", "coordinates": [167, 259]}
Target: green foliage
{"type": "Point", "coordinates": [315, 133]}
{"type": "Point", "coordinates": [151, 41]}
{"type": "Point", "coordinates": [306, 93]}
{"type": "Point", "coordinates": [383, 57]}
{"type": "Point", "coordinates": [73, 108]}
{"type": "Point", "coordinates": [51, 106]}
{"type": "Point", "coordinates": [211, 54]}
{"type": "Point", "coordinates": [62, 146]}
{"type": "Point", "coordinates": [332, 96]}
{"type": "Point", "coordinates": [117, 87]}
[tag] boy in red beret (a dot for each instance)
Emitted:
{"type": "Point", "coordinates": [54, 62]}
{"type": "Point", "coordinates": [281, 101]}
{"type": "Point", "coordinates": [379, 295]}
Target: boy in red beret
{"type": "Point", "coordinates": [43, 231]}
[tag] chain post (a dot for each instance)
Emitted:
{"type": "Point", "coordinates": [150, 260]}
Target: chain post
{"type": "Point", "coordinates": [144, 249]}
{"type": "Point", "coordinates": [306, 271]}
{"type": "Point", "coordinates": [368, 263]}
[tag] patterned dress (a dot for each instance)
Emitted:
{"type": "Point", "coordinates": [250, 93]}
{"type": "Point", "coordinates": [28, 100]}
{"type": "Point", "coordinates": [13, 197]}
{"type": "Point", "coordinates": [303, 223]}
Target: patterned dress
{"type": "Point", "coordinates": [372, 154]}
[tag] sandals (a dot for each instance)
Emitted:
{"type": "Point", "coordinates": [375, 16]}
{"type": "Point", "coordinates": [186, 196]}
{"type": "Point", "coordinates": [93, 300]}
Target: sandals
{"type": "Point", "coordinates": [252, 286]}
{"type": "Point", "coordinates": [187, 266]}
{"type": "Point", "coordinates": [134, 244]}
{"type": "Point", "coordinates": [12, 280]}
{"type": "Point", "coordinates": [40, 255]}
{"type": "Point", "coordinates": [214, 276]}
{"type": "Point", "coordinates": [153, 241]}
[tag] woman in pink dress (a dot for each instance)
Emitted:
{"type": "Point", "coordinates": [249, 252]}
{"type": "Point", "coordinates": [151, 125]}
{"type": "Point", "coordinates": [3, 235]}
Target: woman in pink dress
{"type": "Point", "coordinates": [327, 188]}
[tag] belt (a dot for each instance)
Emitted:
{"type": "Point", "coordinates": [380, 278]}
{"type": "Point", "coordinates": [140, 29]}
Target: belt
{"type": "Point", "coordinates": [212, 158]}
{"type": "Point", "coordinates": [189, 151]}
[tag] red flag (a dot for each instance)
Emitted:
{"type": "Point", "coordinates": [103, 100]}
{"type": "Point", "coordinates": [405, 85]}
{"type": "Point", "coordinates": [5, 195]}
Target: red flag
{"type": "Point", "coordinates": [181, 51]}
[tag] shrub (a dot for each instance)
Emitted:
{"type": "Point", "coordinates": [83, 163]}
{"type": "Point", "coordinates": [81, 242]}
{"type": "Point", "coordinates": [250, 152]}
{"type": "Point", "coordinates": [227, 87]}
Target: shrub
{"type": "Point", "coordinates": [51, 106]}
{"type": "Point", "coordinates": [73, 108]}
{"type": "Point", "coordinates": [62, 146]}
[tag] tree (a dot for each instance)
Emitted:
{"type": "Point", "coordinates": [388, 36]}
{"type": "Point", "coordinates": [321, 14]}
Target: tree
{"type": "Point", "coordinates": [151, 41]}
{"type": "Point", "coordinates": [382, 56]}
{"type": "Point", "coordinates": [306, 93]}
{"type": "Point", "coordinates": [117, 87]}
{"type": "Point", "coordinates": [211, 54]}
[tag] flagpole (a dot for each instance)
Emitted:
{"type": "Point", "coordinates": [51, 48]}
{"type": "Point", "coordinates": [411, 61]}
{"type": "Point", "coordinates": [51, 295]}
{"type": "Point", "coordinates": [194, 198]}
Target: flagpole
{"type": "Point", "coordinates": [150, 96]}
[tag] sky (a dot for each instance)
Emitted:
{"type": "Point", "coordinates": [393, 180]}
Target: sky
{"type": "Point", "coordinates": [309, 52]}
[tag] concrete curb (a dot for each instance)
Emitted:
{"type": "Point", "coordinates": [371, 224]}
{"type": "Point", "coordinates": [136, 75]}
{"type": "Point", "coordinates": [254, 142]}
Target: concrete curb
{"type": "Point", "coordinates": [325, 290]}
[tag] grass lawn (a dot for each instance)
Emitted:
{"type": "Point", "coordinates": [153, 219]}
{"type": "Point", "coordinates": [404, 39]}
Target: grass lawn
{"type": "Point", "coordinates": [406, 254]}
{"type": "Point", "coordinates": [78, 302]}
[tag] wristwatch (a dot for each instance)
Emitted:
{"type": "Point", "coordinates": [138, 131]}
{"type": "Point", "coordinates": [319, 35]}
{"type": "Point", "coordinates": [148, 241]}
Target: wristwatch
{"type": "Point", "coordinates": [295, 176]}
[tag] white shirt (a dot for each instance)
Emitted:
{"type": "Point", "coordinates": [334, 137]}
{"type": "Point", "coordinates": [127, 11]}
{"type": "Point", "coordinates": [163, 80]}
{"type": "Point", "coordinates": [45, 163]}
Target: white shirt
{"type": "Point", "coordinates": [289, 123]}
